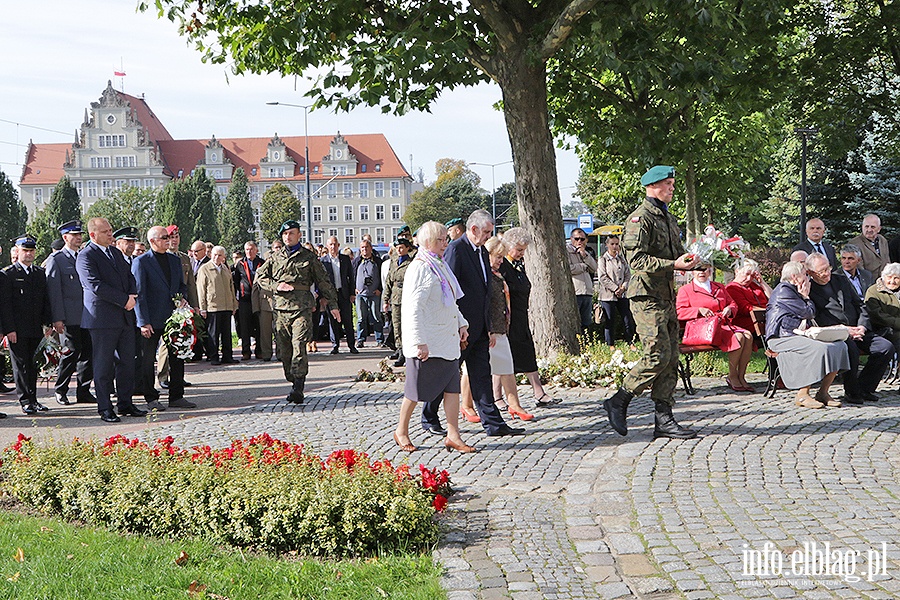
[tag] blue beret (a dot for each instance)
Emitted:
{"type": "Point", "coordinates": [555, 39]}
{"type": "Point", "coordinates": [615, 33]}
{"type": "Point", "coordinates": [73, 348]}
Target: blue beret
{"type": "Point", "coordinates": [657, 173]}
{"type": "Point", "coordinates": [70, 227]}
{"type": "Point", "coordinates": [288, 225]}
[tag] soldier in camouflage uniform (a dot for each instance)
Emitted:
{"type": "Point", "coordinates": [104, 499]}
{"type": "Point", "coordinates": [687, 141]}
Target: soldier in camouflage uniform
{"type": "Point", "coordinates": [288, 275]}
{"type": "Point", "coordinates": [654, 250]}
{"type": "Point", "coordinates": [393, 289]}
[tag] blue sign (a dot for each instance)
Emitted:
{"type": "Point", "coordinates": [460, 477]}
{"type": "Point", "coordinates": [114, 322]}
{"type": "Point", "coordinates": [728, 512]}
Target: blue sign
{"type": "Point", "coordinates": [586, 222]}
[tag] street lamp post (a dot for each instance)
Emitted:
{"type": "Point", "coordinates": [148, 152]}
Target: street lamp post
{"type": "Point", "coordinates": [493, 184]}
{"type": "Point", "coordinates": [804, 133]}
{"type": "Point", "coordinates": [305, 107]}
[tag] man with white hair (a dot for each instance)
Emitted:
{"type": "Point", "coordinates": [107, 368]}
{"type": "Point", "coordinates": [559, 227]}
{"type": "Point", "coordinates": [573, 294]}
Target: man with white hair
{"type": "Point", "coordinates": [215, 292]}
{"type": "Point", "coordinates": [815, 241]}
{"type": "Point", "coordinates": [874, 251]}
{"type": "Point", "coordinates": [837, 304]}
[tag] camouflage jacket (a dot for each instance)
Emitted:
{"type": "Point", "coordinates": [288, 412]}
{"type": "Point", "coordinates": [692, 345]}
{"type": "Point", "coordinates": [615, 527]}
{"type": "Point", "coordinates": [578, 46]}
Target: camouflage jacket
{"type": "Point", "coordinates": [393, 288]}
{"type": "Point", "coordinates": [302, 270]}
{"type": "Point", "coordinates": [652, 242]}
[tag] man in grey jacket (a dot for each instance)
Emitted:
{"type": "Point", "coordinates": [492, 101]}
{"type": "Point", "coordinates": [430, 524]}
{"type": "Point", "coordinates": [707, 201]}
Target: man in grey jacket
{"type": "Point", "coordinates": [583, 267]}
{"type": "Point", "coordinates": [66, 305]}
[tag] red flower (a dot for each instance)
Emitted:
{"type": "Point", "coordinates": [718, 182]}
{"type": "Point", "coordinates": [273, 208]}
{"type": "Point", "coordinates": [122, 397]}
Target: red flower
{"type": "Point", "coordinates": [439, 503]}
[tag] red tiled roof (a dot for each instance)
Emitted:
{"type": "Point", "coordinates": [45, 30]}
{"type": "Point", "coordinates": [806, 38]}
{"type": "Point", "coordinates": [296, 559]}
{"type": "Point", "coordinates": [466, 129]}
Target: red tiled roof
{"type": "Point", "coordinates": [147, 118]}
{"type": "Point", "coordinates": [370, 149]}
{"type": "Point", "coordinates": [44, 164]}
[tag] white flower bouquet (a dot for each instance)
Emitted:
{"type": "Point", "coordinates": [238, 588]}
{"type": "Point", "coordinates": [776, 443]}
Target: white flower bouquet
{"type": "Point", "coordinates": [714, 248]}
{"type": "Point", "coordinates": [183, 330]}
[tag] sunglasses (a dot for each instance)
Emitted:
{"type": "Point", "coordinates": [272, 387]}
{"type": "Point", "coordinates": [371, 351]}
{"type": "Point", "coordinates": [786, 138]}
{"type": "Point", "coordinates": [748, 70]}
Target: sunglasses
{"type": "Point", "coordinates": [579, 239]}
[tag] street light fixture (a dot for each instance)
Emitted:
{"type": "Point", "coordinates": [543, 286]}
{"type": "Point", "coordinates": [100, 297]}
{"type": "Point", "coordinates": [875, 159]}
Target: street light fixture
{"type": "Point", "coordinates": [305, 107]}
{"type": "Point", "coordinates": [493, 184]}
{"type": "Point", "coordinates": [805, 133]}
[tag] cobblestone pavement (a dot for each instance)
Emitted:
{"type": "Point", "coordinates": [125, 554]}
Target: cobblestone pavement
{"type": "Point", "coordinates": [572, 510]}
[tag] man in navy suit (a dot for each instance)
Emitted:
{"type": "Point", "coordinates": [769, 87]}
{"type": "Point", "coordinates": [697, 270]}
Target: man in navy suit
{"type": "Point", "coordinates": [66, 306]}
{"type": "Point", "coordinates": [469, 261]}
{"type": "Point", "coordinates": [340, 272]}
{"type": "Point", "coordinates": [108, 314]}
{"type": "Point", "coordinates": [159, 279]}
{"type": "Point", "coordinates": [815, 242]}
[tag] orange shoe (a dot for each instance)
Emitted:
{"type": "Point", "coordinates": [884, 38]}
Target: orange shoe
{"type": "Point", "coordinates": [520, 414]}
{"type": "Point", "coordinates": [471, 418]}
{"type": "Point", "coordinates": [458, 446]}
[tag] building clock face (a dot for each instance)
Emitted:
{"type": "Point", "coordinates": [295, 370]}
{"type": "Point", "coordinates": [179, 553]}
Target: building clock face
{"type": "Point", "coordinates": [338, 153]}
{"type": "Point", "coordinates": [110, 119]}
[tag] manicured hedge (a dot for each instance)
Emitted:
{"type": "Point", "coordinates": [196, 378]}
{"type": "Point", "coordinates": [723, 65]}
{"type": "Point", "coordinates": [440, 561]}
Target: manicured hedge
{"type": "Point", "coordinates": [257, 493]}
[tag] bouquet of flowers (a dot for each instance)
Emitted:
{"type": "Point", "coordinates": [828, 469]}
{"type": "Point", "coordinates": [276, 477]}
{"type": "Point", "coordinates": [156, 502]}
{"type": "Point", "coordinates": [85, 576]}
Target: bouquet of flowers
{"type": "Point", "coordinates": [183, 330]}
{"type": "Point", "coordinates": [715, 248]}
{"type": "Point", "coordinates": [49, 353]}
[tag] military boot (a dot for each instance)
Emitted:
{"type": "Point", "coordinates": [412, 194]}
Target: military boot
{"type": "Point", "coordinates": [296, 395]}
{"type": "Point", "coordinates": [616, 407]}
{"type": "Point", "coordinates": [667, 426]}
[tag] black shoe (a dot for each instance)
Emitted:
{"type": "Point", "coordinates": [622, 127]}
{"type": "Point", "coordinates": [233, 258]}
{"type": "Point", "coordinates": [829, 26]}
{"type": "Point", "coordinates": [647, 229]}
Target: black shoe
{"type": "Point", "coordinates": [2, 415]}
{"type": "Point", "coordinates": [296, 395]}
{"type": "Point", "coordinates": [109, 416]}
{"type": "Point", "coordinates": [5, 389]}
{"type": "Point", "coordinates": [132, 411]}
{"type": "Point", "coordinates": [88, 399]}
{"type": "Point", "coordinates": [335, 350]}
{"type": "Point", "coordinates": [857, 400]}
{"type": "Point", "coordinates": [181, 403]}
{"type": "Point", "coordinates": [616, 409]}
{"type": "Point", "coordinates": [230, 361]}
{"type": "Point", "coordinates": [29, 409]}
{"type": "Point", "coordinates": [667, 426]}
{"type": "Point", "coordinates": [353, 350]}
{"type": "Point", "coordinates": [62, 399]}
{"type": "Point", "coordinates": [395, 355]}
{"type": "Point", "coordinates": [40, 407]}
{"type": "Point", "coordinates": [869, 397]}
{"type": "Point", "coordinates": [360, 344]}
{"type": "Point", "coordinates": [400, 362]}
{"type": "Point", "coordinates": [435, 430]}
{"type": "Point", "coordinates": [188, 384]}
{"type": "Point", "coordinates": [505, 430]}
{"type": "Point", "coordinates": [165, 384]}
{"type": "Point", "coordinates": [215, 363]}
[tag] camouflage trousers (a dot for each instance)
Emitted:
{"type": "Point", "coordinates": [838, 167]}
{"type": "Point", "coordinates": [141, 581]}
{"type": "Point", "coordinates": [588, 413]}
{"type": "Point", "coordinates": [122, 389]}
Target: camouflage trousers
{"type": "Point", "coordinates": [395, 323]}
{"type": "Point", "coordinates": [292, 331]}
{"type": "Point", "coordinates": [657, 327]}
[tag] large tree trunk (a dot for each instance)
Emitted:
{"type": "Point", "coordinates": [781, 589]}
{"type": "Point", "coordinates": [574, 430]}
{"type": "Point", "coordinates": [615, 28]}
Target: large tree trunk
{"type": "Point", "coordinates": [554, 317]}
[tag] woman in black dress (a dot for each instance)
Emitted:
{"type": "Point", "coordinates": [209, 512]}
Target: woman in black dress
{"type": "Point", "coordinates": [521, 341]}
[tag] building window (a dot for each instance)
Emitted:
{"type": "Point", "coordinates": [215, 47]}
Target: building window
{"type": "Point", "coordinates": [363, 232]}
{"type": "Point", "coordinates": [112, 141]}
{"type": "Point", "coordinates": [395, 212]}
{"type": "Point", "coordinates": [276, 172]}
{"type": "Point", "coordinates": [135, 183]}
{"type": "Point", "coordinates": [318, 236]}
{"type": "Point", "coordinates": [302, 169]}
{"type": "Point", "coordinates": [100, 162]}
{"type": "Point", "coordinates": [92, 189]}
{"type": "Point", "coordinates": [316, 169]}
{"type": "Point", "coordinates": [364, 165]}
{"type": "Point", "coordinates": [38, 196]}
{"type": "Point", "coordinates": [379, 189]}
{"type": "Point", "coordinates": [223, 190]}
{"type": "Point", "coordinates": [379, 212]}
{"type": "Point", "coordinates": [105, 187]}
{"type": "Point", "coordinates": [303, 214]}
{"type": "Point", "coordinates": [148, 183]}
{"type": "Point", "coordinates": [218, 174]}
{"type": "Point", "coordinates": [332, 190]}
{"type": "Point", "coordinates": [394, 232]}
{"type": "Point", "coordinates": [379, 235]}
{"type": "Point", "coordinates": [332, 213]}
{"type": "Point", "coordinates": [363, 189]}
{"type": "Point", "coordinates": [348, 213]}
{"type": "Point", "coordinates": [348, 237]}
{"type": "Point", "coordinates": [125, 162]}
{"type": "Point", "coordinates": [317, 214]}
{"type": "Point", "coordinates": [363, 212]}
{"type": "Point", "coordinates": [276, 156]}
{"type": "Point", "coordinates": [395, 189]}
{"type": "Point", "coordinates": [120, 183]}
{"type": "Point", "coordinates": [348, 189]}
{"type": "Point", "coordinates": [332, 233]}
{"type": "Point", "coordinates": [79, 187]}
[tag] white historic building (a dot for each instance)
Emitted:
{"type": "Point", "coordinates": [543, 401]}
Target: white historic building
{"type": "Point", "coordinates": [358, 184]}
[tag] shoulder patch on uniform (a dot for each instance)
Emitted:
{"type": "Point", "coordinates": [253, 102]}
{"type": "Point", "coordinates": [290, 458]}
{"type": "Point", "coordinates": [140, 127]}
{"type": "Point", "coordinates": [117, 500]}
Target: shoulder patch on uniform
{"type": "Point", "coordinates": [635, 219]}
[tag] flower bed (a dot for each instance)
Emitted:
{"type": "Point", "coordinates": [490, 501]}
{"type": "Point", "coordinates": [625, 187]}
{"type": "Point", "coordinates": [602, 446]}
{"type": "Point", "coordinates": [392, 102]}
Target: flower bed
{"type": "Point", "coordinates": [259, 493]}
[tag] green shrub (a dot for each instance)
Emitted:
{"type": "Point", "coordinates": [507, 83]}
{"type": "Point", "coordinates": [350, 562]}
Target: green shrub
{"type": "Point", "coordinates": [258, 493]}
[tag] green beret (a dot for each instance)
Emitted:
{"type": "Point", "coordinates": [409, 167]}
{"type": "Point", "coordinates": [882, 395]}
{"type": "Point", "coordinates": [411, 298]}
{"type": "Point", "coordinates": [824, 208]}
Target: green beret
{"type": "Point", "coordinates": [657, 173]}
{"type": "Point", "coordinates": [453, 222]}
{"type": "Point", "coordinates": [289, 225]}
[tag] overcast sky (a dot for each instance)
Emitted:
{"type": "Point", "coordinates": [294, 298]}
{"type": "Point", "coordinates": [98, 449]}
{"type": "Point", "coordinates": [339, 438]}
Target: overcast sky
{"type": "Point", "coordinates": [57, 55]}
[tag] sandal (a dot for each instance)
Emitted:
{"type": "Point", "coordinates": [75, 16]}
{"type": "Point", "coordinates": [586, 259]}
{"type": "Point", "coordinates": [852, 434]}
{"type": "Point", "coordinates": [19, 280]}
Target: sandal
{"type": "Point", "coordinates": [807, 401]}
{"type": "Point", "coordinates": [405, 447]}
{"type": "Point", "coordinates": [545, 400]}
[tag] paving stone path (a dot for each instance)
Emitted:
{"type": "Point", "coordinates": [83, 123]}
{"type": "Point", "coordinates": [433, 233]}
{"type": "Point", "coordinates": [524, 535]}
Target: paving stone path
{"type": "Point", "coordinates": [572, 510]}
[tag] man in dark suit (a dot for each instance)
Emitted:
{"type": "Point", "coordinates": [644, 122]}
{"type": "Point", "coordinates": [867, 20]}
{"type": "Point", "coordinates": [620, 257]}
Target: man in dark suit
{"type": "Point", "coordinates": [859, 278]}
{"type": "Point", "coordinates": [108, 314]}
{"type": "Point", "coordinates": [66, 306]}
{"type": "Point", "coordinates": [244, 272]}
{"type": "Point", "coordinates": [469, 261]}
{"type": "Point", "coordinates": [126, 241]}
{"type": "Point", "coordinates": [837, 304]}
{"type": "Point", "coordinates": [815, 242]}
{"type": "Point", "coordinates": [340, 272]}
{"type": "Point", "coordinates": [159, 279]}
{"type": "Point", "coordinates": [28, 311]}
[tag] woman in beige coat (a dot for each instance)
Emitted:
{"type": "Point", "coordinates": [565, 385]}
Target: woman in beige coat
{"type": "Point", "coordinates": [218, 302]}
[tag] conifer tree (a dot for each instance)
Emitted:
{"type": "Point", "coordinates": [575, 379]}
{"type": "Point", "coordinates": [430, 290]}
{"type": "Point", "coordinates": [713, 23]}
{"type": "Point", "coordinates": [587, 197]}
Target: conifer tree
{"type": "Point", "coordinates": [237, 223]}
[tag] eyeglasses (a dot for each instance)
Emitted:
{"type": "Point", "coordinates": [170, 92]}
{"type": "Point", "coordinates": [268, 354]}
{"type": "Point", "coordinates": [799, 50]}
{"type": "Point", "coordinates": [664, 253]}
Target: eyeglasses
{"type": "Point", "coordinates": [162, 237]}
{"type": "Point", "coordinates": [579, 239]}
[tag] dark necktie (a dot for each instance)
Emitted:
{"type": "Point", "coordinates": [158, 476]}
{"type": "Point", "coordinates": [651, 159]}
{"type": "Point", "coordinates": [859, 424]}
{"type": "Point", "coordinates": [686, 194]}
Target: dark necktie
{"type": "Point", "coordinates": [819, 249]}
{"type": "Point", "coordinates": [109, 254]}
{"type": "Point", "coordinates": [877, 250]}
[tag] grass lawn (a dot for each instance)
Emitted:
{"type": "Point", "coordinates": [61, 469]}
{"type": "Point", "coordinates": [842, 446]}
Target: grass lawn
{"type": "Point", "coordinates": [63, 561]}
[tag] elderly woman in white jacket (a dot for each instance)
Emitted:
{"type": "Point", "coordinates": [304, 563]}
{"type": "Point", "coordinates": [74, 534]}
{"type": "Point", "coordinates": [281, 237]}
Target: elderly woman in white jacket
{"type": "Point", "coordinates": [432, 331]}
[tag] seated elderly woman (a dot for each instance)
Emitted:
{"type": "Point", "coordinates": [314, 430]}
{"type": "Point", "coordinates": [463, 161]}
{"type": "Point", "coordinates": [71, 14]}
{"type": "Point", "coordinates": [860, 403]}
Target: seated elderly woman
{"type": "Point", "coordinates": [703, 298]}
{"type": "Point", "coordinates": [802, 361]}
{"type": "Point", "coordinates": [883, 303]}
{"type": "Point", "coordinates": [749, 291]}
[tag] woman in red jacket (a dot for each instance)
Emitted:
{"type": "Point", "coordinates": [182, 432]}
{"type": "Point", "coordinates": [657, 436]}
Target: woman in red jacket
{"type": "Point", "coordinates": [702, 298]}
{"type": "Point", "coordinates": [749, 291]}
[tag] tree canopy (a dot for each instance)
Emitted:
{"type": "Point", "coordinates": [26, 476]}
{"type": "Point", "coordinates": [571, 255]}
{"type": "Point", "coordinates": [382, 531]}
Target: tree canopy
{"type": "Point", "coordinates": [277, 205]}
{"type": "Point", "coordinates": [236, 225]}
{"type": "Point", "coordinates": [64, 206]}
{"type": "Point", "coordinates": [455, 194]}
{"type": "Point", "coordinates": [126, 207]}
